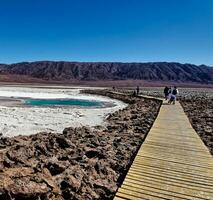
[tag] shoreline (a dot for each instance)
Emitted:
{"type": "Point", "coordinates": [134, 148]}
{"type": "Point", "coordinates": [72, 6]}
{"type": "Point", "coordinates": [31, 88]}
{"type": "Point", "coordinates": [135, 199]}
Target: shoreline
{"type": "Point", "coordinates": [81, 163]}
{"type": "Point", "coordinates": [21, 102]}
{"type": "Point", "coordinates": [130, 83]}
{"type": "Point", "coordinates": [18, 119]}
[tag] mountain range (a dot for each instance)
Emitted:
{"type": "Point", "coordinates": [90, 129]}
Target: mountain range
{"type": "Point", "coordinates": [96, 71]}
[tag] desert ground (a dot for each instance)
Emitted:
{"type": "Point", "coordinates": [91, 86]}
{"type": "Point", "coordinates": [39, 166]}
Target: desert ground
{"type": "Point", "coordinates": [91, 162]}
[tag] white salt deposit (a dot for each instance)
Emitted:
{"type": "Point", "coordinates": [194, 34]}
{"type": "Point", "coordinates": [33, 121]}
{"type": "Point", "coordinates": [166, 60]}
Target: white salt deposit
{"type": "Point", "coordinates": [19, 120]}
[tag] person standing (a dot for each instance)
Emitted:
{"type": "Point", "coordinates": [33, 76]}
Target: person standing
{"type": "Point", "coordinates": [169, 92]}
{"type": "Point", "coordinates": [166, 92]}
{"type": "Point", "coordinates": [137, 90]}
{"type": "Point", "coordinates": [174, 94]}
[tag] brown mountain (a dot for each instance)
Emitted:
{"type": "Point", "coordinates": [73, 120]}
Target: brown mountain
{"type": "Point", "coordinates": [86, 71]}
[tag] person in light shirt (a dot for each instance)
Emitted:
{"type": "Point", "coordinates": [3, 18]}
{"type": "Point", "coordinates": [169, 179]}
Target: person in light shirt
{"type": "Point", "coordinates": [173, 96]}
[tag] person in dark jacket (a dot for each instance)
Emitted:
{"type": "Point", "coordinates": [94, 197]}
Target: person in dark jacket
{"type": "Point", "coordinates": [137, 90]}
{"type": "Point", "coordinates": [166, 92]}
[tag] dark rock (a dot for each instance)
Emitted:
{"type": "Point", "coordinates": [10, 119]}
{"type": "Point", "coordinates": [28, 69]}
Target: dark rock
{"type": "Point", "coordinates": [20, 153]}
{"type": "Point", "coordinates": [63, 142]}
{"type": "Point", "coordinates": [55, 167]}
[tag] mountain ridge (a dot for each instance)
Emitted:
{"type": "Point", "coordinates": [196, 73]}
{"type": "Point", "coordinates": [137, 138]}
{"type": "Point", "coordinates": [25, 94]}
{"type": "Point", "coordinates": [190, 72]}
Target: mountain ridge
{"type": "Point", "coordinates": [93, 71]}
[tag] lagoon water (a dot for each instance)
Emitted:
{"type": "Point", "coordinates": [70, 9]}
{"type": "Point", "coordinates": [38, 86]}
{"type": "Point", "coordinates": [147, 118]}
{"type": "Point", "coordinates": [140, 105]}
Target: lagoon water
{"type": "Point", "coordinates": [63, 102]}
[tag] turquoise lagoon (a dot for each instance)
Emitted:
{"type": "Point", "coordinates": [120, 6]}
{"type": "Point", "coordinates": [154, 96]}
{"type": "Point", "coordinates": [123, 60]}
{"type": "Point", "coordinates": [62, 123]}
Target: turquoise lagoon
{"type": "Point", "coordinates": [63, 102]}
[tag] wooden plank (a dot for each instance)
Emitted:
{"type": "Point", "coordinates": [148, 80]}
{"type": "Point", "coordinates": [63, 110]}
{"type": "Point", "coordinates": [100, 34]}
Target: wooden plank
{"type": "Point", "coordinates": [178, 157]}
{"type": "Point", "coordinates": [164, 151]}
{"type": "Point", "coordinates": [171, 175]}
{"type": "Point", "coordinates": [179, 161]}
{"type": "Point", "coordinates": [151, 191]}
{"type": "Point", "coordinates": [175, 181]}
{"type": "Point", "coordinates": [173, 162]}
{"type": "Point", "coordinates": [171, 172]}
{"type": "Point", "coordinates": [139, 195]}
{"type": "Point", "coordinates": [169, 168]}
{"type": "Point", "coordinates": [189, 193]}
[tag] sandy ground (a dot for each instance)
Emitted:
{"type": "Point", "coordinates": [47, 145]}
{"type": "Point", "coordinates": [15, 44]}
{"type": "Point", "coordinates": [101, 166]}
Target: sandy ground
{"type": "Point", "coordinates": [16, 120]}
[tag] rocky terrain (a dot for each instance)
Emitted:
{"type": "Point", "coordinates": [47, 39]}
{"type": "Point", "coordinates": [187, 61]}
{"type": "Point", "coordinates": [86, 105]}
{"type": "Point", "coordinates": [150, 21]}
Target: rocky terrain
{"type": "Point", "coordinates": [80, 163]}
{"type": "Point", "coordinates": [77, 71]}
{"type": "Point", "coordinates": [199, 109]}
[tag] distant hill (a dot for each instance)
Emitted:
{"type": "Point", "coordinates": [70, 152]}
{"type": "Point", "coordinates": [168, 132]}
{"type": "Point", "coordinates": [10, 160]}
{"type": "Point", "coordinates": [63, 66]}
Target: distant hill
{"type": "Point", "coordinates": [86, 71]}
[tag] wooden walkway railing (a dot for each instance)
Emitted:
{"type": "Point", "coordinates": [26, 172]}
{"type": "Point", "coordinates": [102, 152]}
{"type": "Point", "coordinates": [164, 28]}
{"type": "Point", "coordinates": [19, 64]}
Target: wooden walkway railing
{"type": "Point", "coordinates": [173, 162]}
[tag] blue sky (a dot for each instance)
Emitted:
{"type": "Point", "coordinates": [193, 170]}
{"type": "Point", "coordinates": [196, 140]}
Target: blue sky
{"type": "Point", "coordinates": [107, 30]}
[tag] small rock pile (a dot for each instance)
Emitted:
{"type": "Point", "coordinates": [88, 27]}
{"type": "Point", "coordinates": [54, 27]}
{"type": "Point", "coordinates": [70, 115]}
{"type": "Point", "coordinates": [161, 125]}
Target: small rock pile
{"type": "Point", "coordinates": [80, 163]}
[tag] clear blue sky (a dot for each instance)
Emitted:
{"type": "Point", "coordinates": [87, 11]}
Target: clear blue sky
{"type": "Point", "coordinates": [107, 30]}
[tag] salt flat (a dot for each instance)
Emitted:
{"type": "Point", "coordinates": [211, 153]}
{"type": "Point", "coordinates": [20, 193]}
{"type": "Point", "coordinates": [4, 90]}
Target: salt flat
{"type": "Point", "coordinates": [16, 120]}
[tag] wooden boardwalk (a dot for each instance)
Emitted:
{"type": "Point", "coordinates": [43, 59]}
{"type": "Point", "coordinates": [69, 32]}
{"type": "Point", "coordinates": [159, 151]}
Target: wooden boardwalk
{"type": "Point", "coordinates": [173, 162]}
